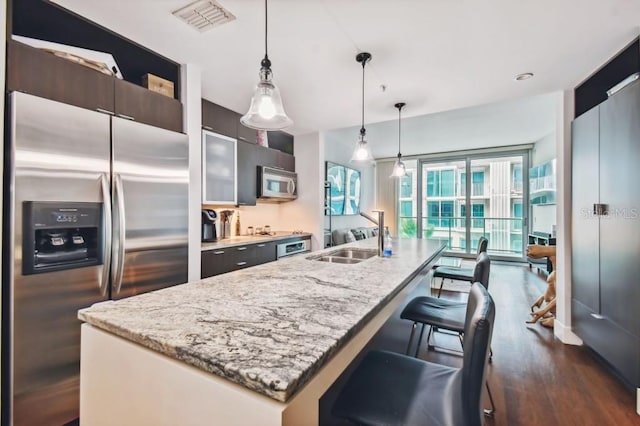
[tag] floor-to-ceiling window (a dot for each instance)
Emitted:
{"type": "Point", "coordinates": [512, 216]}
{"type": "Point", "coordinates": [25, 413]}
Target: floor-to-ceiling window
{"type": "Point", "coordinates": [458, 200]}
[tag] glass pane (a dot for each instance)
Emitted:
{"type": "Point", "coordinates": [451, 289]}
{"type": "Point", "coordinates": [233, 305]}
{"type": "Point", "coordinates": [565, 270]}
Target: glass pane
{"type": "Point", "coordinates": [407, 220]}
{"type": "Point", "coordinates": [336, 176]}
{"type": "Point", "coordinates": [442, 201]}
{"type": "Point", "coordinates": [219, 169]}
{"type": "Point", "coordinates": [496, 197]}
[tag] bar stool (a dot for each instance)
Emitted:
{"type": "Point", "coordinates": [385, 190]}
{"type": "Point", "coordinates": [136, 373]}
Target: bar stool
{"type": "Point", "coordinates": [460, 274]}
{"type": "Point", "coordinates": [394, 389]}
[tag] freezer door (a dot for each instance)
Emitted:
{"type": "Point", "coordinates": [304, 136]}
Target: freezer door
{"type": "Point", "coordinates": [150, 208]}
{"type": "Point", "coordinates": [60, 153]}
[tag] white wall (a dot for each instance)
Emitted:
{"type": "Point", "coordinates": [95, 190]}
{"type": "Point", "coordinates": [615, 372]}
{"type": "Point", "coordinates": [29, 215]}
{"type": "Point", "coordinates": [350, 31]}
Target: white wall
{"type": "Point", "coordinates": [544, 149]}
{"type": "Point", "coordinates": [306, 213]}
{"type": "Point", "coordinates": [192, 114]}
{"type": "Point", "coordinates": [338, 149]}
{"type": "Point", "coordinates": [565, 112]}
{"type": "Point", "coordinates": [543, 218]}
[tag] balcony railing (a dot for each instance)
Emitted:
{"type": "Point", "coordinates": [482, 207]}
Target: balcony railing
{"type": "Point", "coordinates": [504, 234]}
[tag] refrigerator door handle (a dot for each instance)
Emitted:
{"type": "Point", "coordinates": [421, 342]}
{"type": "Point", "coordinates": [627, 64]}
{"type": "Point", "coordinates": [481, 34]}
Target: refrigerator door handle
{"type": "Point", "coordinates": [106, 207]}
{"type": "Point", "coordinates": [119, 268]}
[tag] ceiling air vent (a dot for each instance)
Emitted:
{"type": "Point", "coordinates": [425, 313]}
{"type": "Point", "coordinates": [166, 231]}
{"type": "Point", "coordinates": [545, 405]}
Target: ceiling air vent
{"type": "Point", "coordinates": [204, 14]}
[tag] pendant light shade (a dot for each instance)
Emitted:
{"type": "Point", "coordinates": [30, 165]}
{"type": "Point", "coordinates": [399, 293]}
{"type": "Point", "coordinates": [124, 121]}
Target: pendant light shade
{"type": "Point", "coordinates": [362, 151]}
{"type": "Point", "coordinates": [266, 111]}
{"type": "Point", "coordinates": [399, 169]}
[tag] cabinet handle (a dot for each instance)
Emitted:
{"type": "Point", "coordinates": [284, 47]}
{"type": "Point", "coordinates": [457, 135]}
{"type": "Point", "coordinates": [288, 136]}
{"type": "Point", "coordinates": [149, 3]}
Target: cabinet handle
{"type": "Point", "coordinates": [241, 248]}
{"type": "Point", "coordinates": [207, 127]}
{"type": "Point", "coordinates": [242, 138]}
{"type": "Point", "coordinates": [105, 111]}
{"type": "Point", "coordinates": [219, 252]}
{"type": "Point", "coordinates": [598, 316]}
{"type": "Point", "coordinates": [261, 245]}
{"type": "Point", "coordinates": [241, 263]}
{"type": "Point", "coordinates": [126, 117]}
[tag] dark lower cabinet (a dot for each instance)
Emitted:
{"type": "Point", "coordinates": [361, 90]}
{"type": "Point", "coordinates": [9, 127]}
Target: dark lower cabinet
{"type": "Point", "coordinates": [265, 252]}
{"type": "Point", "coordinates": [215, 262]}
{"type": "Point", "coordinates": [606, 231]}
{"type": "Point", "coordinates": [220, 261]}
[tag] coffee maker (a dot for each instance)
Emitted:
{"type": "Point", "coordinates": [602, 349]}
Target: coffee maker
{"type": "Point", "coordinates": [209, 225]}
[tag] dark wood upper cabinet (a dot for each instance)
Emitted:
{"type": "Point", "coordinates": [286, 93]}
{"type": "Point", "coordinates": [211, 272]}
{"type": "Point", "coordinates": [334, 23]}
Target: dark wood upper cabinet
{"type": "Point", "coordinates": [142, 105]}
{"type": "Point", "coordinates": [286, 161]}
{"type": "Point", "coordinates": [43, 74]}
{"type": "Point", "coordinates": [246, 134]}
{"type": "Point", "coordinates": [247, 162]}
{"type": "Point", "coordinates": [219, 119]}
{"type": "Point", "coordinates": [281, 141]}
{"type": "Point", "coordinates": [267, 157]}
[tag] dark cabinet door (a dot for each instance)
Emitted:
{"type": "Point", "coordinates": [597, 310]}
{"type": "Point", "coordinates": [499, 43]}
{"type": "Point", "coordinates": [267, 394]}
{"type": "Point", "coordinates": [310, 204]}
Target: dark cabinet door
{"type": "Point", "coordinates": [585, 230]}
{"type": "Point", "coordinates": [246, 184]}
{"type": "Point", "coordinates": [43, 74]}
{"type": "Point", "coordinates": [286, 161]}
{"type": "Point", "coordinates": [219, 119]}
{"type": "Point", "coordinates": [265, 252]}
{"type": "Point", "coordinates": [281, 141]}
{"type": "Point", "coordinates": [145, 106]}
{"type": "Point", "coordinates": [246, 134]}
{"type": "Point", "coordinates": [243, 256]}
{"type": "Point", "coordinates": [620, 228]}
{"type": "Point", "coordinates": [216, 262]}
{"type": "Point", "coordinates": [267, 157]}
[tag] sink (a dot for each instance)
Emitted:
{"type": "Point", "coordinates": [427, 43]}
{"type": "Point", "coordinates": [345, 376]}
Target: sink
{"type": "Point", "coordinates": [354, 253]}
{"type": "Point", "coordinates": [336, 259]}
{"type": "Point", "coordinates": [346, 256]}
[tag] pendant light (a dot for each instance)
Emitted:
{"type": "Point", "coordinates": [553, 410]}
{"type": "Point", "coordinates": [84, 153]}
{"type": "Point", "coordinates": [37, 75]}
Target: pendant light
{"type": "Point", "coordinates": [266, 111]}
{"type": "Point", "coordinates": [399, 169]}
{"type": "Point", "coordinates": [362, 152]}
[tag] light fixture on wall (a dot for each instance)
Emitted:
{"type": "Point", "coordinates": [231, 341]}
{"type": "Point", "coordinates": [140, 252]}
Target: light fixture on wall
{"type": "Point", "coordinates": [399, 169]}
{"type": "Point", "coordinates": [266, 111]}
{"type": "Point", "coordinates": [362, 152]}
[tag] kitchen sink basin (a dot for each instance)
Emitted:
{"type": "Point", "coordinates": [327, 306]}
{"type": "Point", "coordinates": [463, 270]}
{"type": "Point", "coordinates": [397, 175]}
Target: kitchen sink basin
{"type": "Point", "coordinates": [336, 259]}
{"type": "Point", "coordinates": [354, 253]}
{"type": "Point", "coordinates": [346, 256]}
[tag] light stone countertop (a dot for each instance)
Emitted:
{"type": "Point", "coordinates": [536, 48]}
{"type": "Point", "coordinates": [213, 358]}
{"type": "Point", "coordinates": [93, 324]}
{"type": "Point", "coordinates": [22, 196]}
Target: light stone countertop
{"type": "Point", "coordinates": [251, 239]}
{"type": "Point", "coordinates": [271, 327]}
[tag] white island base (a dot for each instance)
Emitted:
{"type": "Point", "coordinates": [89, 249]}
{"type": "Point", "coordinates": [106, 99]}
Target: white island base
{"type": "Point", "coordinates": [123, 383]}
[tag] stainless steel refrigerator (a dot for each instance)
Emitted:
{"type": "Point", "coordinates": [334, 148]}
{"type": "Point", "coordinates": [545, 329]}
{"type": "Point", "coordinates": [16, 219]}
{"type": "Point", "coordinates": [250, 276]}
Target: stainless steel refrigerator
{"type": "Point", "coordinates": [97, 209]}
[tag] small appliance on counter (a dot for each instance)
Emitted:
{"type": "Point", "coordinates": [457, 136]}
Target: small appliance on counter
{"type": "Point", "coordinates": [225, 223]}
{"type": "Point", "coordinates": [209, 226]}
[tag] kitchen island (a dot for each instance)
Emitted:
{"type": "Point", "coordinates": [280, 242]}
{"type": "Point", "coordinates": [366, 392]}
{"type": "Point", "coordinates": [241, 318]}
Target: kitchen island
{"type": "Point", "coordinates": [253, 347]}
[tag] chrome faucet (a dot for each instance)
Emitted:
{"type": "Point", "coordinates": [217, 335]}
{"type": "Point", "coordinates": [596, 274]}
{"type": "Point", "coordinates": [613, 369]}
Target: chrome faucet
{"type": "Point", "coordinates": [380, 223]}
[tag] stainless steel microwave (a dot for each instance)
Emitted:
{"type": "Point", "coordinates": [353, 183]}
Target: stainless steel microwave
{"type": "Point", "coordinates": [277, 184]}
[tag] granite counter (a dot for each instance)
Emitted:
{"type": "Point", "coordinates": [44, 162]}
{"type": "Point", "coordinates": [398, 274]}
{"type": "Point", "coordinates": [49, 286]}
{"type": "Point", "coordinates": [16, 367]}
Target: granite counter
{"type": "Point", "coordinates": [272, 327]}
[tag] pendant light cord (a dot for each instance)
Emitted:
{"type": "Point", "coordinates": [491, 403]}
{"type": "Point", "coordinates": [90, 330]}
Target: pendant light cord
{"type": "Point", "coordinates": [362, 131]}
{"type": "Point", "coordinates": [399, 124]}
{"type": "Point", "coordinates": [266, 23]}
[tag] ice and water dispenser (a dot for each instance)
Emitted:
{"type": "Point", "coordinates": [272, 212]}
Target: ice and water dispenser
{"type": "Point", "coordinates": [59, 236]}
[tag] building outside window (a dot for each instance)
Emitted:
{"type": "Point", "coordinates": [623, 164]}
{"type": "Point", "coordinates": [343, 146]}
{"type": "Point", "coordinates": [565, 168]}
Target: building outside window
{"type": "Point", "coordinates": [477, 210]}
{"type": "Point", "coordinates": [477, 183]}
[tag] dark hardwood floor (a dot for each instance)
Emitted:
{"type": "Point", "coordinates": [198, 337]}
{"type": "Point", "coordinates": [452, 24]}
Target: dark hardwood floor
{"type": "Point", "coordinates": [535, 379]}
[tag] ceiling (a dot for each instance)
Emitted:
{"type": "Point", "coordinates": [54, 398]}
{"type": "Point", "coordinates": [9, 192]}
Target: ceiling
{"type": "Point", "coordinates": [513, 122]}
{"type": "Point", "coordinates": [436, 55]}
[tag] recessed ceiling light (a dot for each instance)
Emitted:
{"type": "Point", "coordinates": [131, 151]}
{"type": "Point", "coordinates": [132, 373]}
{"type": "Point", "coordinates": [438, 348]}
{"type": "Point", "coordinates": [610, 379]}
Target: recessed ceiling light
{"type": "Point", "coordinates": [524, 76]}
